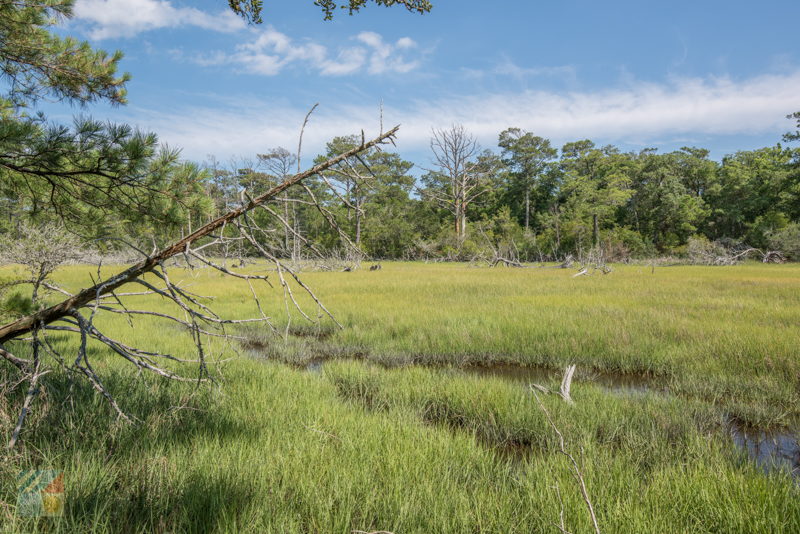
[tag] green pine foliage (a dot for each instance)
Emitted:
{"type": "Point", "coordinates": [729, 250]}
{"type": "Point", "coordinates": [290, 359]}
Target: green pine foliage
{"type": "Point", "coordinates": [36, 63]}
{"type": "Point", "coordinates": [101, 179]}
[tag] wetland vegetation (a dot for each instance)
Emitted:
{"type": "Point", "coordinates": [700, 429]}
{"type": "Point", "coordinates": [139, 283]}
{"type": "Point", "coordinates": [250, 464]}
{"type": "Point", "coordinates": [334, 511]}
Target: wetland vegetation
{"type": "Point", "coordinates": [420, 421]}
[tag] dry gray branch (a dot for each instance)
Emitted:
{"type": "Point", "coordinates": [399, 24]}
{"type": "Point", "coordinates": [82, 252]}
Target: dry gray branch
{"type": "Point", "coordinates": [562, 527]}
{"type": "Point", "coordinates": [577, 472]}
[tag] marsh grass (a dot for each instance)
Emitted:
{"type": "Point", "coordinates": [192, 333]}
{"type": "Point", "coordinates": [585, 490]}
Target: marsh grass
{"type": "Point", "coordinates": [728, 336]}
{"type": "Point", "coordinates": [271, 448]}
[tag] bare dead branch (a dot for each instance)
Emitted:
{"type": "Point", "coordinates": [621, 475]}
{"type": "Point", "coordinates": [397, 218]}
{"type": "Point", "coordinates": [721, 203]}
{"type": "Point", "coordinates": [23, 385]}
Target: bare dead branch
{"type": "Point", "coordinates": [577, 471]}
{"type": "Point", "coordinates": [566, 384]}
{"type": "Point", "coordinates": [20, 363]}
{"type": "Point", "coordinates": [302, 131]}
{"type": "Point", "coordinates": [33, 390]}
{"type": "Point", "coordinates": [83, 365]}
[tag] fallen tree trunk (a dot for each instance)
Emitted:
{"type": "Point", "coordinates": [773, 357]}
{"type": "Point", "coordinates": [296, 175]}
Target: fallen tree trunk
{"type": "Point", "coordinates": [66, 308]}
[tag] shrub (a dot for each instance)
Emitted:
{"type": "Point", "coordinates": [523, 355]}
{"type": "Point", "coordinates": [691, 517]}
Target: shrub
{"type": "Point", "coordinates": [622, 244]}
{"type": "Point", "coordinates": [787, 241]}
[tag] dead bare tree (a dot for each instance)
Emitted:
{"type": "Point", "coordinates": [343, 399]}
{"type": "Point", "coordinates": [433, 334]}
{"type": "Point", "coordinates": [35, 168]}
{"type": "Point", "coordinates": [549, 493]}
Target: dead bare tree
{"type": "Point", "coordinates": [40, 250]}
{"type": "Point", "coordinates": [76, 314]}
{"type": "Point", "coordinates": [459, 179]}
{"type": "Point", "coordinates": [704, 252]}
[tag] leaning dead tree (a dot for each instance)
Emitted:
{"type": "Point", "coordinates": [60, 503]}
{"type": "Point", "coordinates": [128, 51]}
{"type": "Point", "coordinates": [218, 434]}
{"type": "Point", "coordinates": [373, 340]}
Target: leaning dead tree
{"type": "Point", "coordinates": [76, 313]}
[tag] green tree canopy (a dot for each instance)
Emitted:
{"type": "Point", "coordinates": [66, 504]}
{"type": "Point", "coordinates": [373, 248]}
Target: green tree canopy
{"type": "Point", "coordinates": [528, 158]}
{"type": "Point", "coordinates": [35, 63]}
{"type": "Point", "coordinates": [251, 10]}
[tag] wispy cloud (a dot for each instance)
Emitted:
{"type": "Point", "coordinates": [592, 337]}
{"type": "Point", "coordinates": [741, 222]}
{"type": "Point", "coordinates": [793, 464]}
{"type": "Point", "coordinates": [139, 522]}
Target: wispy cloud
{"type": "Point", "coordinates": [506, 67]}
{"type": "Point", "coordinates": [104, 19]}
{"type": "Point", "coordinates": [266, 53]}
{"type": "Point", "coordinates": [271, 51]}
{"type": "Point", "coordinates": [636, 113]}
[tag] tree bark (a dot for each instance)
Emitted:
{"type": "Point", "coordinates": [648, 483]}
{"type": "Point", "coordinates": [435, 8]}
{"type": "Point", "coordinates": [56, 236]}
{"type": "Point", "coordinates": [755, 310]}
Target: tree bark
{"type": "Point", "coordinates": [358, 224]}
{"type": "Point", "coordinates": [286, 231]}
{"type": "Point", "coordinates": [527, 208]}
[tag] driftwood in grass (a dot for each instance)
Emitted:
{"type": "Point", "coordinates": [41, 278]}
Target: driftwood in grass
{"type": "Point", "coordinates": [76, 313]}
{"type": "Point", "coordinates": [722, 256]}
{"type": "Point", "coordinates": [719, 253]}
{"type": "Point", "coordinates": [773, 256]}
{"type": "Point", "coordinates": [567, 263]}
{"type": "Point", "coordinates": [499, 260]}
{"type": "Point", "coordinates": [566, 385]}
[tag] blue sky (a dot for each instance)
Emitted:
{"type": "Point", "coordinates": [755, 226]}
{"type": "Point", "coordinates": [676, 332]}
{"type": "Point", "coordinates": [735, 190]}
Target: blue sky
{"type": "Point", "coordinates": [720, 75]}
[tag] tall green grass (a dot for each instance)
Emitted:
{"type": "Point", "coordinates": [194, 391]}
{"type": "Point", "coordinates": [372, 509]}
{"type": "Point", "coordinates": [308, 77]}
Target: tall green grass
{"type": "Point", "coordinates": [279, 450]}
{"type": "Point", "coordinates": [358, 447]}
{"type": "Point", "coordinates": [727, 335]}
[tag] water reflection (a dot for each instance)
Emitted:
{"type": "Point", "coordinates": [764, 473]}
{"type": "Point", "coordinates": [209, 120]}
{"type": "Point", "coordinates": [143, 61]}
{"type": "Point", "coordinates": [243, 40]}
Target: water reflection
{"type": "Point", "coordinates": [770, 449]}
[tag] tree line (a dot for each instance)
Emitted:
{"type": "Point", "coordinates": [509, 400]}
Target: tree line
{"type": "Point", "coordinates": [546, 202]}
{"type": "Point", "coordinates": [542, 201]}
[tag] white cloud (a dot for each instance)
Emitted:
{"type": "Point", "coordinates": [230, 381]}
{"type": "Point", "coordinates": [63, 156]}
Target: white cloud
{"type": "Point", "coordinates": [383, 56]}
{"type": "Point", "coordinates": [348, 61]}
{"type": "Point", "coordinates": [268, 54]}
{"type": "Point", "coordinates": [506, 67]}
{"type": "Point", "coordinates": [272, 50]}
{"type": "Point", "coordinates": [637, 113]}
{"type": "Point", "coordinates": [104, 19]}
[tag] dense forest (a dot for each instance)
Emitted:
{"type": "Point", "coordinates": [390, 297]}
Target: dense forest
{"type": "Point", "coordinates": [527, 197]}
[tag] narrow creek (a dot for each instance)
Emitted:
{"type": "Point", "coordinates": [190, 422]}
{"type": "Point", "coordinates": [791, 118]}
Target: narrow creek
{"type": "Point", "coordinates": [770, 449]}
{"type": "Point", "coordinates": [623, 384]}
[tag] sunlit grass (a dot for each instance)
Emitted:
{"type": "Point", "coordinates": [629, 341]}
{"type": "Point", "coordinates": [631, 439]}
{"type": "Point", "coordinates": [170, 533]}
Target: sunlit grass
{"type": "Point", "coordinates": [276, 449]}
{"type": "Point", "coordinates": [728, 335]}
